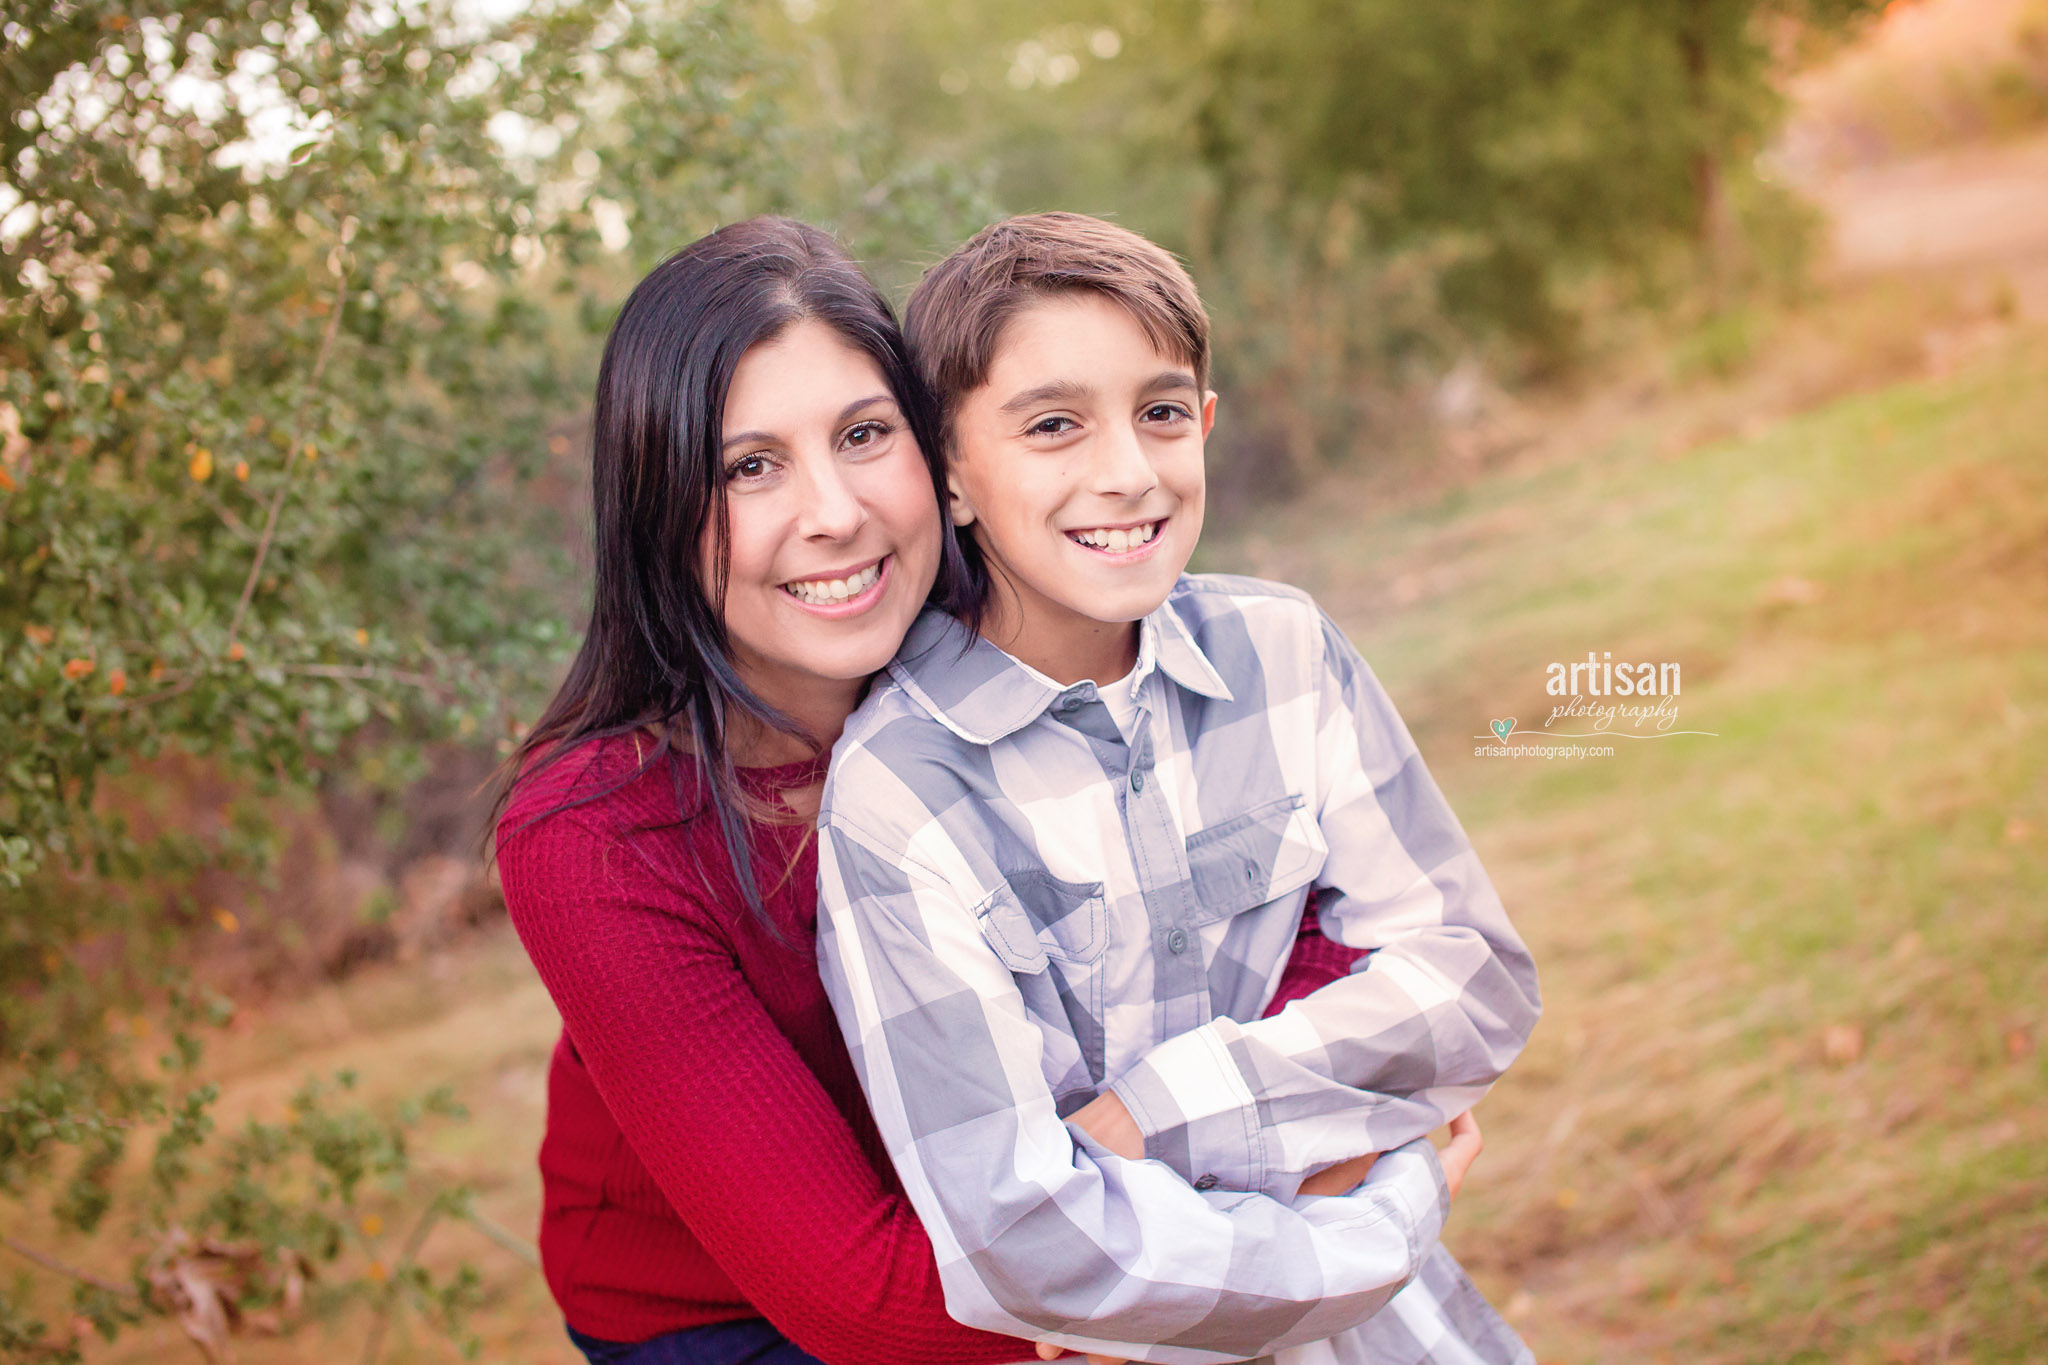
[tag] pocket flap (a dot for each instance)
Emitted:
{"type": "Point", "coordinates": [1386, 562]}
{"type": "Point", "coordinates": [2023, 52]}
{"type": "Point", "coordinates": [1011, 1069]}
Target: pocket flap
{"type": "Point", "coordinates": [1034, 919]}
{"type": "Point", "coordinates": [1250, 860]}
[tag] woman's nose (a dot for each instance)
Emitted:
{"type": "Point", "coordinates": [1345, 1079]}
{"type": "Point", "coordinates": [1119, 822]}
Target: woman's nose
{"type": "Point", "coordinates": [831, 508]}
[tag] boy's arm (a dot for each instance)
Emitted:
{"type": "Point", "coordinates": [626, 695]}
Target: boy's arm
{"type": "Point", "coordinates": [1418, 1030]}
{"type": "Point", "coordinates": [1039, 1232]}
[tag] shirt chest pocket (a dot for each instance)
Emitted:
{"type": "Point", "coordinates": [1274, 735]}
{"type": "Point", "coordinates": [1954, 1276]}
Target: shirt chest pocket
{"type": "Point", "coordinates": [1052, 935]}
{"type": "Point", "coordinates": [1253, 859]}
{"type": "Point", "coordinates": [1034, 920]}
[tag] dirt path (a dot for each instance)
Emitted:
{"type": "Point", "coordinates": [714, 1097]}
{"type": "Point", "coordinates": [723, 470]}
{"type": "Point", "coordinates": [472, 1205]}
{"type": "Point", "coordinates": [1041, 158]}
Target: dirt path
{"type": "Point", "coordinates": [1979, 212]}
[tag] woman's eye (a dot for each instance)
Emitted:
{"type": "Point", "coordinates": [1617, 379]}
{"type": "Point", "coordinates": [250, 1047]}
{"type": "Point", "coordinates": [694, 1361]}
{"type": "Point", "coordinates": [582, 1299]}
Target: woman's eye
{"type": "Point", "coordinates": [867, 434]}
{"type": "Point", "coordinates": [747, 467]}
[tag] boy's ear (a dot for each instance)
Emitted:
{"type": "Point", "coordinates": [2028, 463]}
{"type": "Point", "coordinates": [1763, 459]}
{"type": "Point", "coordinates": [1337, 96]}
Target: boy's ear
{"type": "Point", "coordinates": [1208, 412]}
{"type": "Point", "coordinates": [957, 505]}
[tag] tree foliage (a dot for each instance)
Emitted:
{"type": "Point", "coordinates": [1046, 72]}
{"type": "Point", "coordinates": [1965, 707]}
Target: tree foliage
{"type": "Point", "coordinates": [1549, 141]}
{"type": "Point", "coordinates": [1369, 191]}
{"type": "Point", "coordinates": [294, 296]}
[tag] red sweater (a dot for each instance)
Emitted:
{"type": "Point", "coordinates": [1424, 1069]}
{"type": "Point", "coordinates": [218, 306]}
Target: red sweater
{"type": "Point", "coordinates": [708, 1153]}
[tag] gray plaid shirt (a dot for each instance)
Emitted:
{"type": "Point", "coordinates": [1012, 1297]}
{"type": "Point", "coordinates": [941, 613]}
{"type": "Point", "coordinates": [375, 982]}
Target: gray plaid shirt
{"type": "Point", "coordinates": [1018, 906]}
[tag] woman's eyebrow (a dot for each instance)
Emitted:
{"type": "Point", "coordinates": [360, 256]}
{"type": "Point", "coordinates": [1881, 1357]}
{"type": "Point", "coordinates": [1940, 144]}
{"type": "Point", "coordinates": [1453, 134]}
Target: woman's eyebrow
{"type": "Point", "coordinates": [768, 437]}
{"type": "Point", "coordinates": [857, 404]}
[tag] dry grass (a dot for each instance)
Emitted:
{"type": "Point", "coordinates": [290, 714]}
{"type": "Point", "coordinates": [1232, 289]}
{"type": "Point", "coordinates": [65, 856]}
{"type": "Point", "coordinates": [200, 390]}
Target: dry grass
{"type": "Point", "coordinates": [1787, 1100]}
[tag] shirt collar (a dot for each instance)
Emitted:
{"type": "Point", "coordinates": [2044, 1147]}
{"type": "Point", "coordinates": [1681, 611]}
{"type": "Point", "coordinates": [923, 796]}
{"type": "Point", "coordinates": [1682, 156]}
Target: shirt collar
{"type": "Point", "coordinates": [982, 694]}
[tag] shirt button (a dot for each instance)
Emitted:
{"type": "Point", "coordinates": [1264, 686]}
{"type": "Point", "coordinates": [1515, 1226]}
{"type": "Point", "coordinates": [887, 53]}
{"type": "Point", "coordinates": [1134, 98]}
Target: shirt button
{"type": "Point", "coordinates": [1137, 779]}
{"type": "Point", "coordinates": [1176, 942]}
{"type": "Point", "coordinates": [1205, 1181]}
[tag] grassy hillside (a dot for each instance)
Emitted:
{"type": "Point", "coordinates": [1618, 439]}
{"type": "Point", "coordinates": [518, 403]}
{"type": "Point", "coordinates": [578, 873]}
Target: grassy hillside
{"type": "Point", "coordinates": [1787, 1101]}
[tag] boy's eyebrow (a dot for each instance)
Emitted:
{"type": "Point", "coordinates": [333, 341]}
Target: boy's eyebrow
{"type": "Point", "coordinates": [1058, 391]}
{"type": "Point", "coordinates": [1073, 390]}
{"type": "Point", "coordinates": [739, 438]}
{"type": "Point", "coordinates": [1171, 379]}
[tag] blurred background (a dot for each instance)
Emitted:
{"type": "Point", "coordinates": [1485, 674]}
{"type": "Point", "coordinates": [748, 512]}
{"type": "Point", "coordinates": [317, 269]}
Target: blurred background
{"type": "Point", "coordinates": [1703, 331]}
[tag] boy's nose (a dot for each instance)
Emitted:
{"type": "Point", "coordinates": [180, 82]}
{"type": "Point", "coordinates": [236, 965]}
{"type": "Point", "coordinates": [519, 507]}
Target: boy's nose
{"type": "Point", "coordinates": [1122, 469]}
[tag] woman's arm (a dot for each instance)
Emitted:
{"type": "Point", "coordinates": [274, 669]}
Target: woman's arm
{"type": "Point", "coordinates": [738, 1132]}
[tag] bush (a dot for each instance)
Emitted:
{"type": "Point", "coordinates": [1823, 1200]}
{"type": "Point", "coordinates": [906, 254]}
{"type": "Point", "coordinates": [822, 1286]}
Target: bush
{"type": "Point", "coordinates": [283, 296]}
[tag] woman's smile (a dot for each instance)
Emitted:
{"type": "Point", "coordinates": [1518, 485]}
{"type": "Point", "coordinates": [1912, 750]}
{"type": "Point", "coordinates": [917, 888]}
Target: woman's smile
{"type": "Point", "coordinates": [839, 594]}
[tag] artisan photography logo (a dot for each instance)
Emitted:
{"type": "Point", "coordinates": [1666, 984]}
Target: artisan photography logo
{"type": "Point", "coordinates": [1594, 699]}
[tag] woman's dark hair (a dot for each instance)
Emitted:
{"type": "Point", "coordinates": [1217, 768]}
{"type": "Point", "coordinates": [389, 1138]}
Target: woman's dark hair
{"type": "Point", "coordinates": [656, 654]}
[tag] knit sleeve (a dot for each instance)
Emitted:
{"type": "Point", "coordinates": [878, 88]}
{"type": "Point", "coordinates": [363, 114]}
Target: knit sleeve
{"type": "Point", "coordinates": [743, 1140]}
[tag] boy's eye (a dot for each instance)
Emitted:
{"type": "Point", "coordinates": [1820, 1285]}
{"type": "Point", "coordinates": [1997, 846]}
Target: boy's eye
{"type": "Point", "coordinates": [1053, 426]}
{"type": "Point", "coordinates": [1165, 412]}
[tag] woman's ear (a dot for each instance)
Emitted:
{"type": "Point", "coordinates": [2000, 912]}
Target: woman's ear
{"type": "Point", "coordinates": [1208, 412]}
{"type": "Point", "coordinates": [957, 505]}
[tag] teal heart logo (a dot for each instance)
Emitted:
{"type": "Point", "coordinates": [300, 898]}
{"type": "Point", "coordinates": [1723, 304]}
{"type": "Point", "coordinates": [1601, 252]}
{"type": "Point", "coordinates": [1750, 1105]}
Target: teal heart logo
{"type": "Point", "coordinates": [1503, 728]}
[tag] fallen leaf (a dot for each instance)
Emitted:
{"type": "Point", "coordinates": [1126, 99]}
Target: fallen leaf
{"type": "Point", "coordinates": [1841, 1044]}
{"type": "Point", "coordinates": [74, 669]}
{"type": "Point", "coordinates": [1792, 590]}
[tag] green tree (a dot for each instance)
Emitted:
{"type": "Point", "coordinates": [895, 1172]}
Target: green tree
{"type": "Point", "coordinates": [1544, 142]}
{"type": "Point", "coordinates": [1367, 190]}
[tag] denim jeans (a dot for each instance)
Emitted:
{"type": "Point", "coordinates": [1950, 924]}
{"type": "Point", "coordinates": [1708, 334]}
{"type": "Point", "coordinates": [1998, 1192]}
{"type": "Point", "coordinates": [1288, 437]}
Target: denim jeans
{"type": "Point", "coordinates": [749, 1341]}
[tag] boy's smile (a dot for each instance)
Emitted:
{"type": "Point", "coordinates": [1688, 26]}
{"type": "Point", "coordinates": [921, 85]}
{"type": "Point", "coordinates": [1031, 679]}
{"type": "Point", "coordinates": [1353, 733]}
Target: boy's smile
{"type": "Point", "coordinates": [1079, 467]}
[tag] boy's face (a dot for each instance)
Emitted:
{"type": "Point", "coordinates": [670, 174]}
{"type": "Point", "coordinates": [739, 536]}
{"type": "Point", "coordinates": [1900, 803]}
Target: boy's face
{"type": "Point", "coordinates": [1079, 466]}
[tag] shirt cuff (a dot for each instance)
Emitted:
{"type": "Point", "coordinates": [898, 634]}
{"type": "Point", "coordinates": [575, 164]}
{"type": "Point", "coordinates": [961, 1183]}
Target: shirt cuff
{"type": "Point", "coordinates": [1198, 1115]}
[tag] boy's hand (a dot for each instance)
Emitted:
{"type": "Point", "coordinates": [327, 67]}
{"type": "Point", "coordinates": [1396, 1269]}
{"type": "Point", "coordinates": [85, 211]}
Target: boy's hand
{"type": "Point", "coordinates": [1048, 1351]}
{"type": "Point", "coordinates": [1105, 1119]}
{"type": "Point", "coordinates": [1456, 1157]}
{"type": "Point", "coordinates": [1340, 1178]}
{"type": "Point", "coordinates": [1461, 1151]}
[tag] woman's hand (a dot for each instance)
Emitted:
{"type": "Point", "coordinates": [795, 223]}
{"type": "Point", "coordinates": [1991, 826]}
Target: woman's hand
{"type": "Point", "coordinates": [1461, 1151]}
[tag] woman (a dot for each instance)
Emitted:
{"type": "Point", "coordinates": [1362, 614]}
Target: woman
{"type": "Point", "coordinates": [766, 472]}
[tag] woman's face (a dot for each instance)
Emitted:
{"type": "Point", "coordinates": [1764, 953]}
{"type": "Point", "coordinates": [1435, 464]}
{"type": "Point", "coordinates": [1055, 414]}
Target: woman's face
{"type": "Point", "coordinates": [834, 522]}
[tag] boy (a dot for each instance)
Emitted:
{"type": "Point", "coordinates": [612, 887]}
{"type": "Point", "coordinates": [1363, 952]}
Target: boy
{"type": "Point", "coordinates": [1063, 854]}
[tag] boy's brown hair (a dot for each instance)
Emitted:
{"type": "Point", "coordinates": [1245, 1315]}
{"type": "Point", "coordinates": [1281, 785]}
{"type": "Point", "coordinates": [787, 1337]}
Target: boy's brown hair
{"type": "Point", "coordinates": [957, 313]}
